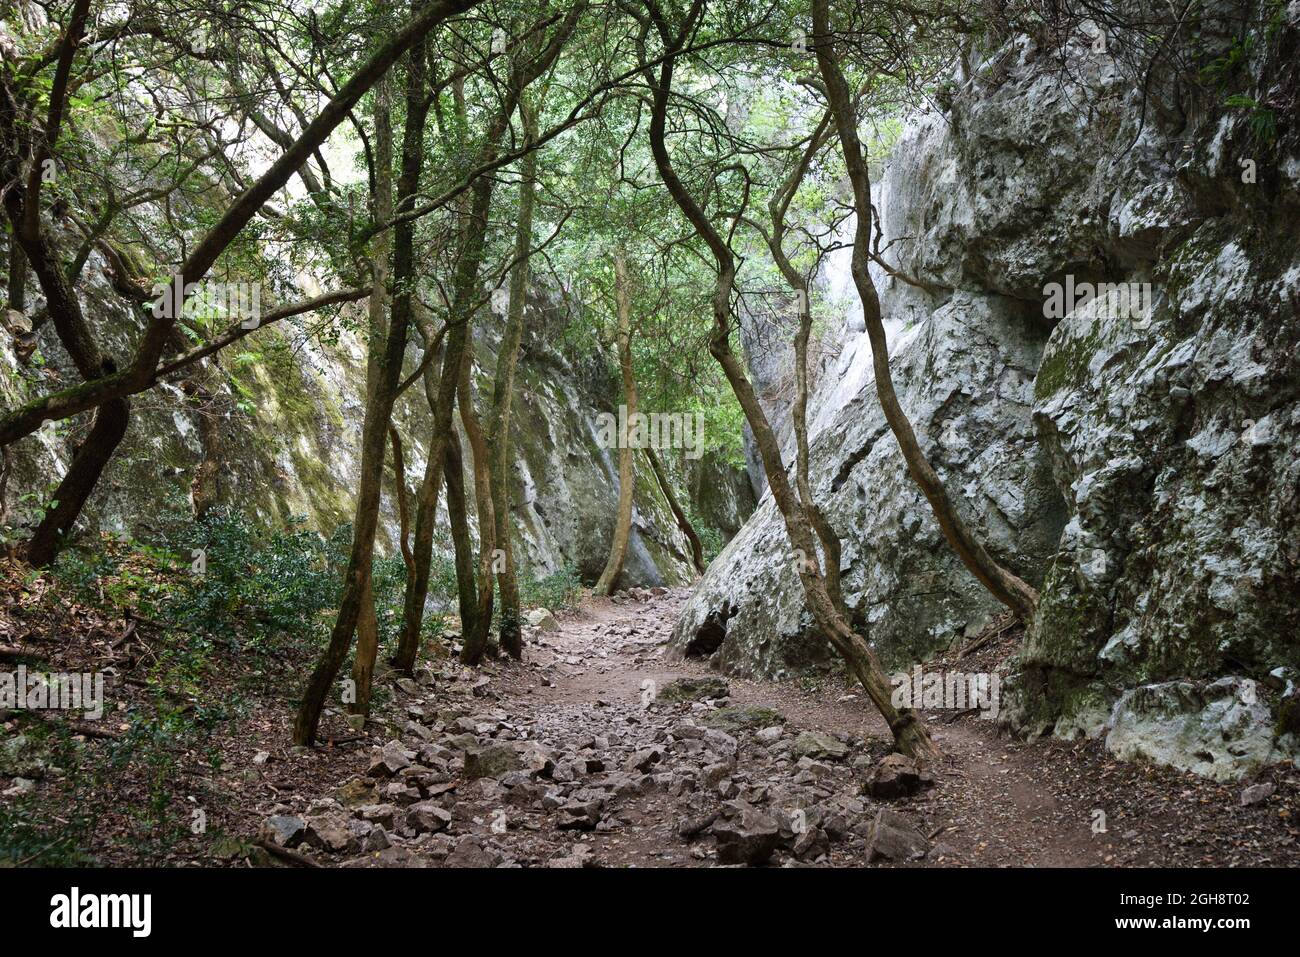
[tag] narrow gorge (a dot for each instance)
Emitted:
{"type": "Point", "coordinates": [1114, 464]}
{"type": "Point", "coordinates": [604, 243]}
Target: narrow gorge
{"type": "Point", "coordinates": [605, 435]}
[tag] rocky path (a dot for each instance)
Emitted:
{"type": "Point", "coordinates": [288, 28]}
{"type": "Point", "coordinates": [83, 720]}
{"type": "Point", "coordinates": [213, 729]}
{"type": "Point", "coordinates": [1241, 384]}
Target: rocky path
{"type": "Point", "coordinates": [596, 751]}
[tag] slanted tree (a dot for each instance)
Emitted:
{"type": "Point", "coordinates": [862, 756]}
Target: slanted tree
{"type": "Point", "coordinates": [909, 731]}
{"type": "Point", "coordinates": [503, 391]}
{"type": "Point", "coordinates": [626, 464]}
{"type": "Point", "coordinates": [1004, 585]}
{"type": "Point", "coordinates": [356, 596]}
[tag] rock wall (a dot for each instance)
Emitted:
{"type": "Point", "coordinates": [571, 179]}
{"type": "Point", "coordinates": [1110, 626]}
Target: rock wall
{"type": "Point", "coordinates": [1142, 467]}
{"type": "Point", "coordinates": [287, 408]}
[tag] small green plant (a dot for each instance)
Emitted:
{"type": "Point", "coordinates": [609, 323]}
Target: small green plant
{"type": "Point", "coordinates": [254, 587]}
{"type": "Point", "coordinates": [28, 839]}
{"type": "Point", "coordinates": [560, 589]}
{"type": "Point", "coordinates": [29, 835]}
{"type": "Point", "coordinates": [711, 543]}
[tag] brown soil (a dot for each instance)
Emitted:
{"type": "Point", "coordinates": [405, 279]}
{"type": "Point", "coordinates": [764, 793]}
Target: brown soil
{"type": "Point", "coordinates": [998, 801]}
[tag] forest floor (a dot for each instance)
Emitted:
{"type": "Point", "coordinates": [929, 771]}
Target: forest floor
{"type": "Point", "coordinates": [615, 775]}
{"type": "Point", "coordinates": [596, 750]}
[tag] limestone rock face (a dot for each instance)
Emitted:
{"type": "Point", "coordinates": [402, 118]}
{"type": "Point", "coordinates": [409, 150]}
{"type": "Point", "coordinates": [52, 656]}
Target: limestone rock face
{"type": "Point", "coordinates": [965, 378]}
{"type": "Point", "coordinates": [285, 426]}
{"type": "Point", "coordinates": [1140, 465]}
{"type": "Point", "coordinates": [1220, 729]}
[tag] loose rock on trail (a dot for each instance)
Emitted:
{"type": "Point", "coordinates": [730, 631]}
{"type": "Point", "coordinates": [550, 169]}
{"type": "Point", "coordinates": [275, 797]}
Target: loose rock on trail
{"type": "Point", "coordinates": [597, 752]}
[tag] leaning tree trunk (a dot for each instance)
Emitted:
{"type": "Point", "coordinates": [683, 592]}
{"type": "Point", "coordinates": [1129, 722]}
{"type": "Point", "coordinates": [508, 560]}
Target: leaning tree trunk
{"type": "Point", "coordinates": [111, 418]}
{"type": "Point", "coordinates": [79, 481]}
{"type": "Point", "coordinates": [363, 661]}
{"type": "Point", "coordinates": [910, 734]}
{"type": "Point", "coordinates": [684, 523]}
{"type": "Point", "coordinates": [512, 641]}
{"type": "Point", "coordinates": [476, 640]}
{"type": "Point", "coordinates": [777, 209]}
{"type": "Point", "coordinates": [1005, 586]}
{"type": "Point", "coordinates": [626, 474]}
{"type": "Point", "coordinates": [379, 410]}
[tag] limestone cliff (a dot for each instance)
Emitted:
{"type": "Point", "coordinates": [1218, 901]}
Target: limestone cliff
{"type": "Point", "coordinates": [1141, 466]}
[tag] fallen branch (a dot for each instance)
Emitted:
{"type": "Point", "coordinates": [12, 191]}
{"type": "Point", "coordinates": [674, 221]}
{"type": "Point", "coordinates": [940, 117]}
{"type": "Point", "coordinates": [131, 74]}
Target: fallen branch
{"type": "Point", "coordinates": [284, 854]}
{"type": "Point", "coordinates": [987, 638]}
{"type": "Point", "coordinates": [86, 728]}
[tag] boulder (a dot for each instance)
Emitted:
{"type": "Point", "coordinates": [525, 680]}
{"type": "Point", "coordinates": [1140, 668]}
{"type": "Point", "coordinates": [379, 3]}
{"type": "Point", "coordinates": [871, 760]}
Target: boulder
{"type": "Point", "coordinates": [964, 371]}
{"type": "Point", "coordinates": [894, 776]}
{"type": "Point", "coordinates": [491, 761]}
{"type": "Point", "coordinates": [743, 718]}
{"type": "Point", "coordinates": [748, 838]}
{"type": "Point", "coordinates": [470, 852]}
{"type": "Point", "coordinates": [693, 689]}
{"type": "Point", "coordinates": [383, 814]}
{"type": "Point", "coordinates": [1256, 794]}
{"type": "Point", "coordinates": [427, 817]}
{"type": "Point", "coordinates": [580, 814]}
{"type": "Point", "coordinates": [892, 837]}
{"type": "Point", "coordinates": [543, 620]}
{"type": "Point", "coordinates": [283, 830]}
{"type": "Point", "coordinates": [769, 736]}
{"type": "Point", "coordinates": [643, 760]}
{"type": "Point", "coordinates": [1219, 729]}
{"type": "Point", "coordinates": [330, 832]}
{"type": "Point", "coordinates": [389, 761]}
{"type": "Point", "coordinates": [579, 856]}
{"type": "Point", "coordinates": [356, 793]}
{"type": "Point", "coordinates": [819, 744]}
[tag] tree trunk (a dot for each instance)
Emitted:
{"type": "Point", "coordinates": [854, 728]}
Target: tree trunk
{"type": "Point", "coordinates": [363, 662]}
{"type": "Point", "coordinates": [426, 507]}
{"type": "Point", "coordinates": [458, 519]}
{"type": "Point", "coordinates": [684, 523]}
{"type": "Point", "coordinates": [111, 418]}
{"type": "Point", "coordinates": [512, 640]}
{"type": "Point", "coordinates": [79, 481]}
{"type": "Point", "coordinates": [16, 290]}
{"type": "Point", "coordinates": [910, 734]}
{"type": "Point", "coordinates": [798, 282]}
{"type": "Point", "coordinates": [626, 474]}
{"type": "Point", "coordinates": [403, 499]}
{"type": "Point", "coordinates": [1005, 586]}
{"type": "Point", "coordinates": [442, 402]}
{"type": "Point", "coordinates": [379, 410]}
{"type": "Point", "coordinates": [476, 641]}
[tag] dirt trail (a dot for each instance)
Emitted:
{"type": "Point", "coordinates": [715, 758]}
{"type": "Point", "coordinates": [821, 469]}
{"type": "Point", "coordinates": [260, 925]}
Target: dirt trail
{"type": "Point", "coordinates": [612, 775]}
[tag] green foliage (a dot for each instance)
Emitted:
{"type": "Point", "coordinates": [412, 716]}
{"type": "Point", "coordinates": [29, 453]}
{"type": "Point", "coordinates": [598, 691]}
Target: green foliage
{"type": "Point", "coordinates": [28, 835]}
{"type": "Point", "coordinates": [560, 589]}
{"type": "Point", "coordinates": [29, 838]}
{"type": "Point", "coordinates": [711, 542]}
{"type": "Point", "coordinates": [257, 586]}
